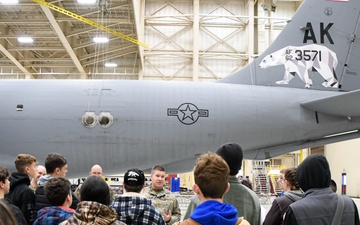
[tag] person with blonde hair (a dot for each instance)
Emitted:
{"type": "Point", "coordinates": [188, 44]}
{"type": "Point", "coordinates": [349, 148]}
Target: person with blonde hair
{"type": "Point", "coordinates": [20, 193]}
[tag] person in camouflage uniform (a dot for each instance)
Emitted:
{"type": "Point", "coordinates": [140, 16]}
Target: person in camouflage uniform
{"type": "Point", "coordinates": [162, 198]}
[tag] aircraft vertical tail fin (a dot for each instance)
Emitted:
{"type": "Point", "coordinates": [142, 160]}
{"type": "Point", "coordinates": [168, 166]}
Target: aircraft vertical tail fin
{"type": "Point", "coordinates": [319, 48]}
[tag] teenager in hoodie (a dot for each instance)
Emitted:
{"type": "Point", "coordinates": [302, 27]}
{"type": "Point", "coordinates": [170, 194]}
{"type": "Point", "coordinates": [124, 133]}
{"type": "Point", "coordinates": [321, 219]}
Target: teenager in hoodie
{"type": "Point", "coordinates": [132, 207]}
{"type": "Point", "coordinates": [211, 175]}
{"type": "Point", "coordinates": [292, 193]}
{"type": "Point", "coordinates": [20, 194]}
{"type": "Point", "coordinates": [4, 189]}
{"type": "Point", "coordinates": [58, 192]}
{"type": "Point", "coordinates": [56, 166]}
{"type": "Point", "coordinates": [318, 206]}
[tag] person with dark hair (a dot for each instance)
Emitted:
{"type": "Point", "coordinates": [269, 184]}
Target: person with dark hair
{"type": "Point", "coordinates": [20, 193]}
{"type": "Point", "coordinates": [6, 216]}
{"type": "Point", "coordinates": [58, 193]}
{"type": "Point", "coordinates": [162, 198]}
{"type": "Point", "coordinates": [132, 207]}
{"type": "Point", "coordinates": [280, 183]}
{"type": "Point", "coordinates": [4, 189]}
{"type": "Point", "coordinates": [292, 193]}
{"type": "Point", "coordinates": [211, 174]}
{"type": "Point", "coordinates": [96, 170]}
{"type": "Point", "coordinates": [245, 200]}
{"type": "Point", "coordinates": [319, 204]}
{"type": "Point", "coordinates": [246, 182]}
{"type": "Point", "coordinates": [94, 205]}
{"type": "Point", "coordinates": [333, 185]}
{"type": "Point", "coordinates": [56, 166]}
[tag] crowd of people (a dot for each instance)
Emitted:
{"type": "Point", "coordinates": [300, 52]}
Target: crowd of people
{"type": "Point", "coordinates": [41, 195]}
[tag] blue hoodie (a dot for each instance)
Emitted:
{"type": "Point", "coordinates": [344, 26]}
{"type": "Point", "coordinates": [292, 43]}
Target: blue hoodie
{"type": "Point", "coordinates": [213, 212]}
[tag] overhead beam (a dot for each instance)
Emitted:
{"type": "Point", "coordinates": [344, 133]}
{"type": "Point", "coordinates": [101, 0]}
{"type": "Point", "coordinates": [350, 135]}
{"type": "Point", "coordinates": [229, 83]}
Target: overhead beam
{"type": "Point", "coordinates": [103, 59]}
{"type": "Point", "coordinates": [13, 60]}
{"type": "Point", "coordinates": [23, 21]}
{"type": "Point", "coordinates": [112, 6]}
{"type": "Point", "coordinates": [138, 8]}
{"type": "Point", "coordinates": [43, 59]}
{"type": "Point", "coordinates": [36, 48]}
{"type": "Point", "coordinates": [195, 53]}
{"type": "Point", "coordinates": [105, 21]}
{"type": "Point", "coordinates": [33, 36]}
{"type": "Point", "coordinates": [63, 40]}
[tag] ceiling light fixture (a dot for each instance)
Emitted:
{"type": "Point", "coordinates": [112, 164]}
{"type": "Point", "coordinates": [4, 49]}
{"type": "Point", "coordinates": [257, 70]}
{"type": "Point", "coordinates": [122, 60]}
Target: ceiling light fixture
{"type": "Point", "coordinates": [86, 2]}
{"type": "Point", "coordinates": [9, 2]}
{"type": "Point", "coordinates": [101, 39]}
{"type": "Point", "coordinates": [110, 64]}
{"type": "Point", "coordinates": [25, 40]}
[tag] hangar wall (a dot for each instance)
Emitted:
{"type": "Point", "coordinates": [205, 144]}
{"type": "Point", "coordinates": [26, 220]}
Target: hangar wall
{"type": "Point", "coordinates": [344, 156]}
{"type": "Point", "coordinates": [206, 40]}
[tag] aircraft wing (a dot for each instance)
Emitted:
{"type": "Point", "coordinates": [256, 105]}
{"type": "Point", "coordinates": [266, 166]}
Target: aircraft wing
{"type": "Point", "coordinates": [346, 104]}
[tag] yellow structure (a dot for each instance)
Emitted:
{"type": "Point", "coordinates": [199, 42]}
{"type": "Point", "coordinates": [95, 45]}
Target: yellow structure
{"type": "Point", "coordinates": [90, 22]}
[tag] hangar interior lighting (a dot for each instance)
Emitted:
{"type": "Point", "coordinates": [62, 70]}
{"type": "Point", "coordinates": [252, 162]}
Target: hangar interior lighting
{"type": "Point", "coordinates": [9, 2]}
{"type": "Point", "coordinates": [110, 64]}
{"type": "Point", "coordinates": [25, 40]}
{"type": "Point", "coordinates": [86, 2]}
{"type": "Point", "coordinates": [101, 39]}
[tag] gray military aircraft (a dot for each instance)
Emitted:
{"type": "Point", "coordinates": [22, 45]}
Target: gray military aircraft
{"type": "Point", "coordinates": [303, 91]}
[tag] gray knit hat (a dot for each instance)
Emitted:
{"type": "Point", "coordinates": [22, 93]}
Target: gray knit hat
{"type": "Point", "coordinates": [233, 155]}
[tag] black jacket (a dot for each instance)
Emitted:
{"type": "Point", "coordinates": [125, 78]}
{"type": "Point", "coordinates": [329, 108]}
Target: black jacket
{"type": "Point", "coordinates": [318, 206]}
{"type": "Point", "coordinates": [22, 196]}
{"type": "Point", "coordinates": [280, 206]}
{"type": "Point", "coordinates": [16, 212]}
{"type": "Point", "coordinates": [40, 198]}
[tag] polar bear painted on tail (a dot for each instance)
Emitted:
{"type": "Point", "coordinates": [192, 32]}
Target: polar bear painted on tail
{"type": "Point", "coordinates": [300, 59]}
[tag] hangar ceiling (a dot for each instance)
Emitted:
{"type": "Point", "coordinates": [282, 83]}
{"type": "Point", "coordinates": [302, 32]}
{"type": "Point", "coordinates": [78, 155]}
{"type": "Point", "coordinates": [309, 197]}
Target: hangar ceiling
{"type": "Point", "coordinates": [63, 47]}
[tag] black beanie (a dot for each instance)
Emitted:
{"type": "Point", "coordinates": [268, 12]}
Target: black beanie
{"type": "Point", "coordinates": [233, 155]}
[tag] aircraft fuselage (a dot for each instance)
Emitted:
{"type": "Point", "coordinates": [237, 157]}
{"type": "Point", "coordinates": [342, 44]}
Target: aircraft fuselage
{"type": "Point", "coordinates": [153, 122]}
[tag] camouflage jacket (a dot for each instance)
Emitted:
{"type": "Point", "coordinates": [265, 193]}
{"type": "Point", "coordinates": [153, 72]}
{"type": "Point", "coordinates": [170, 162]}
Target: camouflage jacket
{"type": "Point", "coordinates": [164, 201]}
